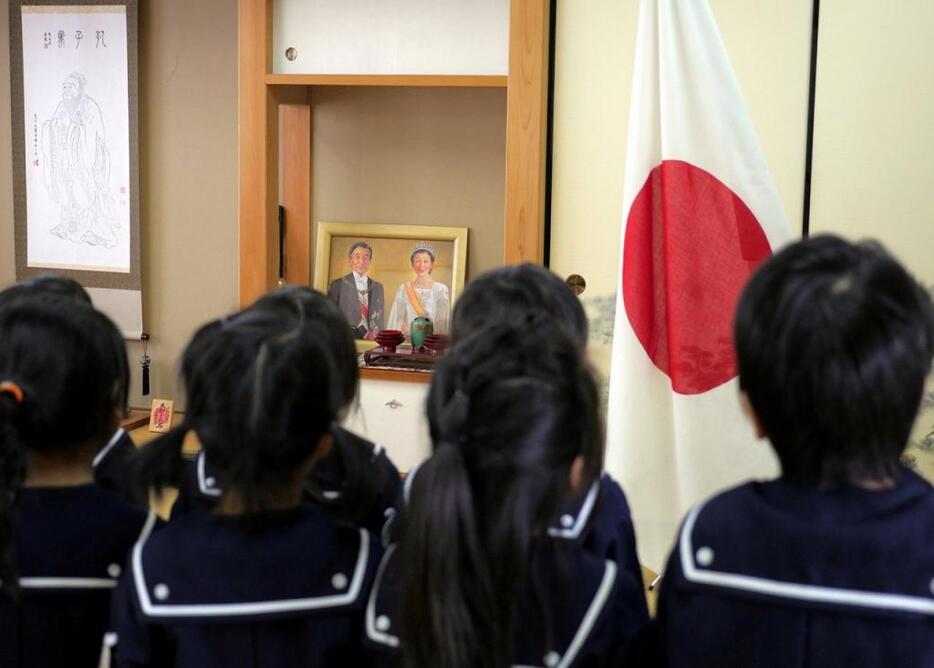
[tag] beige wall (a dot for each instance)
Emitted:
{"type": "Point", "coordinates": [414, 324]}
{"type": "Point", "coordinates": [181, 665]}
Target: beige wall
{"type": "Point", "coordinates": [188, 171]}
{"type": "Point", "coordinates": [418, 156]}
{"type": "Point", "coordinates": [874, 147]}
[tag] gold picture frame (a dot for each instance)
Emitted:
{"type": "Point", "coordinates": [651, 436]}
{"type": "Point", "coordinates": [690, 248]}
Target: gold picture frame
{"type": "Point", "coordinates": [392, 252]}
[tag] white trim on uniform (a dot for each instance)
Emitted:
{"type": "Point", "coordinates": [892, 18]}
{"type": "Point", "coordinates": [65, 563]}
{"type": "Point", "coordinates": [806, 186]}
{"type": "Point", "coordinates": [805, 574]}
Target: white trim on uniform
{"type": "Point", "coordinates": [99, 457]}
{"type": "Point", "coordinates": [208, 490]}
{"type": "Point", "coordinates": [42, 582]}
{"type": "Point", "coordinates": [377, 449]}
{"type": "Point", "coordinates": [407, 485]}
{"type": "Point", "coordinates": [385, 533]}
{"type": "Point", "coordinates": [792, 590]}
{"type": "Point", "coordinates": [150, 522]}
{"type": "Point", "coordinates": [250, 607]}
{"type": "Point", "coordinates": [580, 636]}
{"type": "Point", "coordinates": [375, 634]}
{"type": "Point", "coordinates": [590, 618]}
{"type": "Point", "coordinates": [66, 583]}
{"type": "Point", "coordinates": [580, 521]}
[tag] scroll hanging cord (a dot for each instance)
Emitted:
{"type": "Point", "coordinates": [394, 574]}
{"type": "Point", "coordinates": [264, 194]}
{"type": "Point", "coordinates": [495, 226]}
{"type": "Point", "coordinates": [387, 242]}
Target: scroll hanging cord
{"type": "Point", "coordinates": [144, 362]}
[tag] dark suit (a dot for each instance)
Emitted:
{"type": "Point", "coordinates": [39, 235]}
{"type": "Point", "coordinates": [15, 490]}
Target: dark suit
{"type": "Point", "coordinates": [344, 292]}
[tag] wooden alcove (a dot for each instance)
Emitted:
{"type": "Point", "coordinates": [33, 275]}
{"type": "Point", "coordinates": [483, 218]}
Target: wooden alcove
{"type": "Point", "coordinates": [273, 105]}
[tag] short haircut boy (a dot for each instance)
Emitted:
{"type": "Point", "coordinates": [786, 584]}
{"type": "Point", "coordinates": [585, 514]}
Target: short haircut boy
{"type": "Point", "coordinates": [834, 342]}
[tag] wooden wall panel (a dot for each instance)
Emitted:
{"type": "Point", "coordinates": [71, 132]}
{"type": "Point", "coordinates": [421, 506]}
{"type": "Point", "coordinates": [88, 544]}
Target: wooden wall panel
{"type": "Point", "coordinates": [257, 169]}
{"type": "Point", "coordinates": [295, 130]}
{"type": "Point", "coordinates": [526, 123]}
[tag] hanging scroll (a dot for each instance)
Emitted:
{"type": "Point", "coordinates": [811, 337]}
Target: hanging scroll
{"type": "Point", "coordinates": [75, 154]}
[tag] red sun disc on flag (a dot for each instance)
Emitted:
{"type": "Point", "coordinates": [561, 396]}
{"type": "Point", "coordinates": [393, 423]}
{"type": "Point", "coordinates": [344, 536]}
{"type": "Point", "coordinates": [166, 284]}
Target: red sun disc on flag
{"type": "Point", "coordinates": [690, 244]}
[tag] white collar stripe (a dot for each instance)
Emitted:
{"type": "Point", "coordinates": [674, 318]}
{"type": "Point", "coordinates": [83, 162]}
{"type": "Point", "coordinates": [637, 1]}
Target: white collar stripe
{"type": "Point", "coordinates": [590, 618]}
{"type": "Point", "coordinates": [407, 485]}
{"type": "Point", "coordinates": [252, 607]}
{"type": "Point", "coordinates": [580, 521]}
{"type": "Point", "coordinates": [792, 590]}
{"type": "Point", "coordinates": [99, 457]}
{"type": "Point", "coordinates": [580, 636]}
{"type": "Point", "coordinates": [66, 583]}
{"type": "Point", "coordinates": [371, 630]}
{"type": "Point", "coordinates": [202, 480]}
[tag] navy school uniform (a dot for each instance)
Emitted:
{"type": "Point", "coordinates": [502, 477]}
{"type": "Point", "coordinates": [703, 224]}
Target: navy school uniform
{"type": "Point", "coordinates": [286, 589]}
{"type": "Point", "coordinates": [772, 575]}
{"type": "Point", "coordinates": [594, 599]}
{"type": "Point", "coordinates": [599, 519]}
{"type": "Point", "coordinates": [325, 486]}
{"type": "Point", "coordinates": [70, 545]}
{"type": "Point", "coordinates": [590, 608]}
{"type": "Point", "coordinates": [112, 467]}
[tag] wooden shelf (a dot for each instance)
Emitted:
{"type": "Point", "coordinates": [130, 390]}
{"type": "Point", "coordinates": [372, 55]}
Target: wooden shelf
{"type": "Point", "coordinates": [262, 94]}
{"type": "Point", "coordinates": [400, 375]}
{"type": "Point", "coordinates": [137, 417]}
{"type": "Point", "coordinates": [401, 80]}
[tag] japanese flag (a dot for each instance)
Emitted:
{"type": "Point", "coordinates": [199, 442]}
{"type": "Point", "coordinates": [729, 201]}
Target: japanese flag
{"type": "Point", "coordinates": [700, 214]}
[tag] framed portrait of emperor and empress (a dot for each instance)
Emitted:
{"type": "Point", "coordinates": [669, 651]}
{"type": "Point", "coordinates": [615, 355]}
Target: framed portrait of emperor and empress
{"type": "Point", "coordinates": [385, 276]}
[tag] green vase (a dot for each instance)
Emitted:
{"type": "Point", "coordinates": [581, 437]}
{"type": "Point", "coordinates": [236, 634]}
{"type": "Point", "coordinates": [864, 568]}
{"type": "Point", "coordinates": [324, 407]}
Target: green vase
{"type": "Point", "coordinates": [421, 327]}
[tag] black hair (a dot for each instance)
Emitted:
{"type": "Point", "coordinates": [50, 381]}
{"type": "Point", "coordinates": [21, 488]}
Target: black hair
{"type": "Point", "coordinates": [291, 300]}
{"type": "Point", "coordinates": [69, 363]}
{"type": "Point", "coordinates": [262, 388]}
{"type": "Point", "coordinates": [509, 413]}
{"type": "Point", "coordinates": [360, 244]}
{"type": "Point", "coordinates": [46, 285]}
{"type": "Point", "coordinates": [362, 476]}
{"type": "Point", "coordinates": [834, 341]}
{"type": "Point", "coordinates": [519, 293]}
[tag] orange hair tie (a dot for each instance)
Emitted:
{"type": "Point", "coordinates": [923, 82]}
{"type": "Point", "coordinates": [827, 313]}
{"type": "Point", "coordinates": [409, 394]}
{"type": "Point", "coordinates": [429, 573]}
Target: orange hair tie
{"type": "Point", "coordinates": [9, 387]}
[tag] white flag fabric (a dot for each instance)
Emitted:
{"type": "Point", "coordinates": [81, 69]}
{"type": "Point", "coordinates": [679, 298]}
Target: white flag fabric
{"type": "Point", "coordinates": [700, 213]}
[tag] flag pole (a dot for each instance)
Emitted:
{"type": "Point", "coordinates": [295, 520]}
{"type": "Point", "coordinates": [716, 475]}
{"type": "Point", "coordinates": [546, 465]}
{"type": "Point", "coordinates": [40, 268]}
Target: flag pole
{"type": "Point", "coordinates": [809, 148]}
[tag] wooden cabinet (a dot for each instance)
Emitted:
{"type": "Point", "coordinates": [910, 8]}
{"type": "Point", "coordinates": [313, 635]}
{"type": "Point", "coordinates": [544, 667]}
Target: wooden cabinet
{"type": "Point", "coordinates": [499, 48]}
{"type": "Point", "coordinates": [391, 413]}
{"type": "Point", "coordinates": [275, 104]}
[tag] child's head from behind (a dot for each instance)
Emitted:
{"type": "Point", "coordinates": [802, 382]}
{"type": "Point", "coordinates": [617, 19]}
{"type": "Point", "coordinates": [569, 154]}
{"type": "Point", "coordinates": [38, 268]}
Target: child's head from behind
{"type": "Point", "coordinates": [63, 388]}
{"type": "Point", "coordinates": [518, 294]}
{"type": "Point", "coordinates": [263, 388]}
{"type": "Point", "coordinates": [502, 395]}
{"type": "Point", "coordinates": [44, 286]}
{"type": "Point", "coordinates": [514, 420]}
{"type": "Point", "coordinates": [290, 300]}
{"type": "Point", "coordinates": [69, 361]}
{"type": "Point", "coordinates": [834, 342]}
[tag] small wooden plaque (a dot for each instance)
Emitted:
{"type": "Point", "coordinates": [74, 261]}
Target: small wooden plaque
{"type": "Point", "coordinates": [160, 417]}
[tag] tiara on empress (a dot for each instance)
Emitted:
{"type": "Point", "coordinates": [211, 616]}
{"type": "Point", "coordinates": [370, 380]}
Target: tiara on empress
{"type": "Point", "coordinates": [424, 246]}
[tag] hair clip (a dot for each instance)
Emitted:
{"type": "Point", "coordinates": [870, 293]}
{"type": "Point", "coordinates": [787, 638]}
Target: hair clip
{"type": "Point", "coordinates": [9, 387]}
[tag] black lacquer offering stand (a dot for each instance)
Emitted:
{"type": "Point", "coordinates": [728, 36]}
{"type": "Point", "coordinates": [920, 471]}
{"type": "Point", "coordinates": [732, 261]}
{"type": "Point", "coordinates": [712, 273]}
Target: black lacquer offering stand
{"type": "Point", "coordinates": [401, 358]}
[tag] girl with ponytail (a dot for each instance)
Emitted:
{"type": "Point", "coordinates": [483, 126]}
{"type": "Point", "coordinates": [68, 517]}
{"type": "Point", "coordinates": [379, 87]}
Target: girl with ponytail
{"type": "Point", "coordinates": [63, 539]}
{"type": "Point", "coordinates": [598, 515]}
{"type": "Point", "coordinates": [112, 460]}
{"type": "Point", "coordinates": [476, 579]}
{"type": "Point", "coordinates": [355, 481]}
{"type": "Point", "coordinates": [259, 578]}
